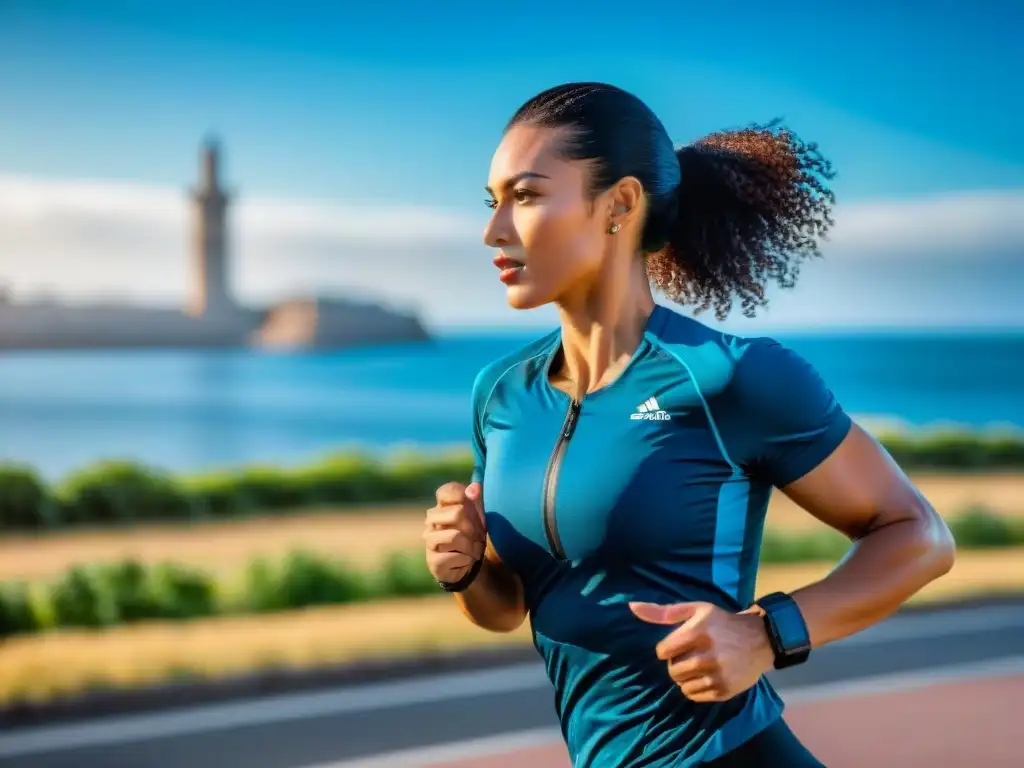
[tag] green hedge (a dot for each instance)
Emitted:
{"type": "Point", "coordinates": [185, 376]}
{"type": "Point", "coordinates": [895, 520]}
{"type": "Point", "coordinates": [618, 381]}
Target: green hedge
{"type": "Point", "coordinates": [117, 492]}
{"type": "Point", "coordinates": [106, 595]}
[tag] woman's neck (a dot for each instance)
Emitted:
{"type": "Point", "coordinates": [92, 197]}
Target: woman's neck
{"type": "Point", "coordinates": [602, 327]}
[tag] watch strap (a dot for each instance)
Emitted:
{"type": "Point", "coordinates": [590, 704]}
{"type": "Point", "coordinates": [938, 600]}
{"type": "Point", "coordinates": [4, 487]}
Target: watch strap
{"type": "Point", "coordinates": [463, 583]}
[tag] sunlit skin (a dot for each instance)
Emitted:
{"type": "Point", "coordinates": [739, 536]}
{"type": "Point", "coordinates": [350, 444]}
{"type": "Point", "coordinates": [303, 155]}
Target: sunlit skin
{"type": "Point", "coordinates": [560, 243]}
{"type": "Point", "coordinates": [543, 218]}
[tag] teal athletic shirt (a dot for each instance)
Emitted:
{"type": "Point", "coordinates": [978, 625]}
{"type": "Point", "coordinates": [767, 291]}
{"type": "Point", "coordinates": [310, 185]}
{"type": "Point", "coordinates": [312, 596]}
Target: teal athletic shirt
{"type": "Point", "coordinates": [653, 488]}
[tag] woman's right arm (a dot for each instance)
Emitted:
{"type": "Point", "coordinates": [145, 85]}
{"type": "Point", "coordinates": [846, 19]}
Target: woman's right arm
{"type": "Point", "coordinates": [456, 535]}
{"type": "Point", "coordinates": [494, 601]}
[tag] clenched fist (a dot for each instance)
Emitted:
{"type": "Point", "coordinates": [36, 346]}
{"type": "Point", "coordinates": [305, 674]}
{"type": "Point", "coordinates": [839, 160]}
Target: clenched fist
{"type": "Point", "coordinates": [455, 531]}
{"type": "Point", "coordinates": [712, 654]}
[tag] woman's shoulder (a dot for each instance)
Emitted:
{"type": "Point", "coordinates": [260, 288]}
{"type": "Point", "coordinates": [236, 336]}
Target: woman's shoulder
{"type": "Point", "coordinates": [488, 377]}
{"type": "Point", "coordinates": [713, 358]}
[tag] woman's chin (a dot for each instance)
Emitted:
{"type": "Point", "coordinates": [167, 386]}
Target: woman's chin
{"type": "Point", "coordinates": [524, 297]}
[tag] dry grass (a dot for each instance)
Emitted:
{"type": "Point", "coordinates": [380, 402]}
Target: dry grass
{"type": "Point", "coordinates": [363, 537]}
{"type": "Point", "coordinates": [42, 667]}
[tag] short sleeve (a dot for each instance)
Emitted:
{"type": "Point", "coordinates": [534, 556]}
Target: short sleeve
{"type": "Point", "coordinates": [788, 421]}
{"type": "Point", "coordinates": [484, 389]}
{"type": "Point", "coordinates": [479, 403]}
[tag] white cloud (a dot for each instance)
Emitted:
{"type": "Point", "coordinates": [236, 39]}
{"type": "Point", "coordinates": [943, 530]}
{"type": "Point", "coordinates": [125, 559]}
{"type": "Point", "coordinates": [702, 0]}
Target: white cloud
{"type": "Point", "coordinates": [89, 238]}
{"type": "Point", "coordinates": [66, 203]}
{"type": "Point", "coordinates": [958, 225]}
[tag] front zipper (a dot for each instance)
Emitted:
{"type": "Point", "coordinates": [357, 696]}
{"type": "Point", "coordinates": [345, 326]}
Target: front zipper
{"type": "Point", "coordinates": [551, 479]}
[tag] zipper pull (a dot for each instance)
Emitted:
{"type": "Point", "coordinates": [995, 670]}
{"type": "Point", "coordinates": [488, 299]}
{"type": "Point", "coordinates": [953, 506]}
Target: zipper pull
{"type": "Point", "coordinates": [570, 421]}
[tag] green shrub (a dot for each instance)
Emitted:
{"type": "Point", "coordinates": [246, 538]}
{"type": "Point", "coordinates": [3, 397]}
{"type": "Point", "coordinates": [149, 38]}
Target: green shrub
{"type": "Point", "coordinates": [84, 598]}
{"type": "Point", "coordinates": [261, 593]}
{"type": "Point", "coordinates": [42, 607]}
{"type": "Point", "coordinates": [179, 592]}
{"type": "Point", "coordinates": [122, 492]}
{"type": "Point", "coordinates": [978, 528]}
{"type": "Point", "coordinates": [956, 450]}
{"type": "Point", "coordinates": [413, 477]}
{"type": "Point", "coordinates": [345, 479]}
{"type": "Point", "coordinates": [269, 488]}
{"type": "Point", "coordinates": [812, 546]}
{"type": "Point", "coordinates": [133, 588]}
{"type": "Point", "coordinates": [214, 496]}
{"type": "Point", "coordinates": [15, 610]}
{"type": "Point", "coordinates": [308, 579]}
{"type": "Point", "coordinates": [405, 574]}
{"type": "Point", "coordinates": [25, 501]}
{"type": "Point", "coordinates": [303, 580]}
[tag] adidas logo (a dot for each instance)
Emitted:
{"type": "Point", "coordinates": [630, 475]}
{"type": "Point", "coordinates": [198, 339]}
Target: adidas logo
{"type": "Point", "coordinates": [649, 410]}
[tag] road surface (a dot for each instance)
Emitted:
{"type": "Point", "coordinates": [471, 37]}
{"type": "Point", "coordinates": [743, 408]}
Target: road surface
{"type": "Point", "coordinates": [911, 680]}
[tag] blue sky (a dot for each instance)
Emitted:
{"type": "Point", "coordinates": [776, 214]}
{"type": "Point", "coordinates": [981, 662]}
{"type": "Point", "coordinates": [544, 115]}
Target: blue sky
{"type": "Point", "coordinates": [397, 110]}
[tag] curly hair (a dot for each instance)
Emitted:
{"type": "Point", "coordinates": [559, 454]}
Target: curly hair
{"type": "Point", "coordinates": [752, 205]}
{"type": "Point", "coordinates": [726, 214]}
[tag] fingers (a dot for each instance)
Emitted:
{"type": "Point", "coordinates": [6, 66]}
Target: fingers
{"type": "Point", "coordinates": [702, 689]}
{"type": "Point", "coordinates": [475, 493]}
{"type": "Point", "coordinates": [692, 667]}
{"type": "Point", "coordinates": [697, 675]}
{"type": "Point", "coordinates": [450, 493]}
{"type": "Point", "coordinates": [689, 636]}
{"type": "Point", "coordinates": [453, 540]}
{"type": "Point", "coordinates": [455, 517]}
{"type": "Point", "coordinates": [682, 641]}
{"type": "Point", "coordinates": [461, 507]}
{"type": "Point", "coordinates": [448, 566]}
{"type": "Point", "coordinates": [664, 614]}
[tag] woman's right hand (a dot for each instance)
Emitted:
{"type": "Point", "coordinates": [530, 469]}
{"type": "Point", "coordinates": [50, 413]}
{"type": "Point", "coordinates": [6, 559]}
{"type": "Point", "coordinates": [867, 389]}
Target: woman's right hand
{"type": "Point", "coordinates": [455, 531]}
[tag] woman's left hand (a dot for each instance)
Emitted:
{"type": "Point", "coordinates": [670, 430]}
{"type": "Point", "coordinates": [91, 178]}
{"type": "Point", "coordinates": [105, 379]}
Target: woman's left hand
{"type": "Point", "coordinates": [713, 654]}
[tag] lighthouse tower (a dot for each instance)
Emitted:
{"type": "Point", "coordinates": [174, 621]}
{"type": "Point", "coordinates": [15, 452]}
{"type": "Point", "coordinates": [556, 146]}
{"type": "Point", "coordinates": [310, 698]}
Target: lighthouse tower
{"type": "Point", "coordinates": [210, 295]}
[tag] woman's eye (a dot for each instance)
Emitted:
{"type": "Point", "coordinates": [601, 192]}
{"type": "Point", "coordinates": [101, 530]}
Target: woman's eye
{"type": "Point", "coordinates": [520, 196]}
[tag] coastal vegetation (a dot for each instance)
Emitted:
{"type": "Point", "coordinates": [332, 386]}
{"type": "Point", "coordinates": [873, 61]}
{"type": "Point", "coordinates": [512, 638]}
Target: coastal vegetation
{"type": "Point", "coordinates": [36, 668]}
{"type": "Point", "coordinates": [120, 493]}
{"type": "Point", "coordinates": [106, 594]}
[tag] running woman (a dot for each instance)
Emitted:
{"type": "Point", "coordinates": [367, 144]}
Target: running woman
{"type": "Point", "coordinates": [624, 462]}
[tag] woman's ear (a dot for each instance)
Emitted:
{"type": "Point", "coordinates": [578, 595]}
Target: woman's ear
{"type": "Point", "coordinates": [627, 198]}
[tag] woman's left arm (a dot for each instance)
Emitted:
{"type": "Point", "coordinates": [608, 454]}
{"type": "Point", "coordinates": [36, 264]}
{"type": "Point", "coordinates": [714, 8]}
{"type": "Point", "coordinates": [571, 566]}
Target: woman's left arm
{"type": "Point", "coordinates": [900, 544]}
{"type": "Point", "coordinates": [786, 426]}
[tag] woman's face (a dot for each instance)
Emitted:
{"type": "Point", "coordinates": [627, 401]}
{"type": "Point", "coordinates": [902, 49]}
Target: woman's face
{"type": "Point", "coordinates": [549, 235]}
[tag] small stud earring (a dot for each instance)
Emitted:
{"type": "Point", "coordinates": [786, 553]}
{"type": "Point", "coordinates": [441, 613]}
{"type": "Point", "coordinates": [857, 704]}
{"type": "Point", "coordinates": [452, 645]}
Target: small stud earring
{"type": "Point", "coordinates": [614, 229]}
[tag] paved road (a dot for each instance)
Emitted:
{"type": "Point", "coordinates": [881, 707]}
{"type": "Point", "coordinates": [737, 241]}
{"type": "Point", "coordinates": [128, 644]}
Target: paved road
{"type": "Point", "coordinates": [346, 727]}
{"type": "Point", "coordinates": [933, 723]}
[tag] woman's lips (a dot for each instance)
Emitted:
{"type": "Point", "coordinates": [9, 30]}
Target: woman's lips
{"type": "Point", "coordinates": [511, 270]}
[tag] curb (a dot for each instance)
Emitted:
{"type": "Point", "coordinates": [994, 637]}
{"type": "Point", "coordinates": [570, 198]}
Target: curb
{"type": "Point", "coordinates": [183, 694]}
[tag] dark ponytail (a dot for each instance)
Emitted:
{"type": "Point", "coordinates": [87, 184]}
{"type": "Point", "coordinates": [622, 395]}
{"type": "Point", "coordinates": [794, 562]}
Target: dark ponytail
{"type": "Point", "coordinates": [726, 214]}
{"type": "Point", "coordinates": [751, 205]}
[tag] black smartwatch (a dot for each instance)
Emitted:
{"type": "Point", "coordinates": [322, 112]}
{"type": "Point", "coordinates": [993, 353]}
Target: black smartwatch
{"type": "Point", "coordinates": [463, 583]}
{"type": "Point", "coordinates": [787, 631]}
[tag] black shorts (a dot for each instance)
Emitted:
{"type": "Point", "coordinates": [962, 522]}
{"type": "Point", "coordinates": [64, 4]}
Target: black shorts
{"type": "Point", "coordinates": [774, 747]}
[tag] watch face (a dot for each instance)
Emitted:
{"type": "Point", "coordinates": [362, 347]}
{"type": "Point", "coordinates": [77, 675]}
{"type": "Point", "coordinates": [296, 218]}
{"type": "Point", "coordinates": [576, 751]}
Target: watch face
{"type": "Point", "coordinates": [792, 630]}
